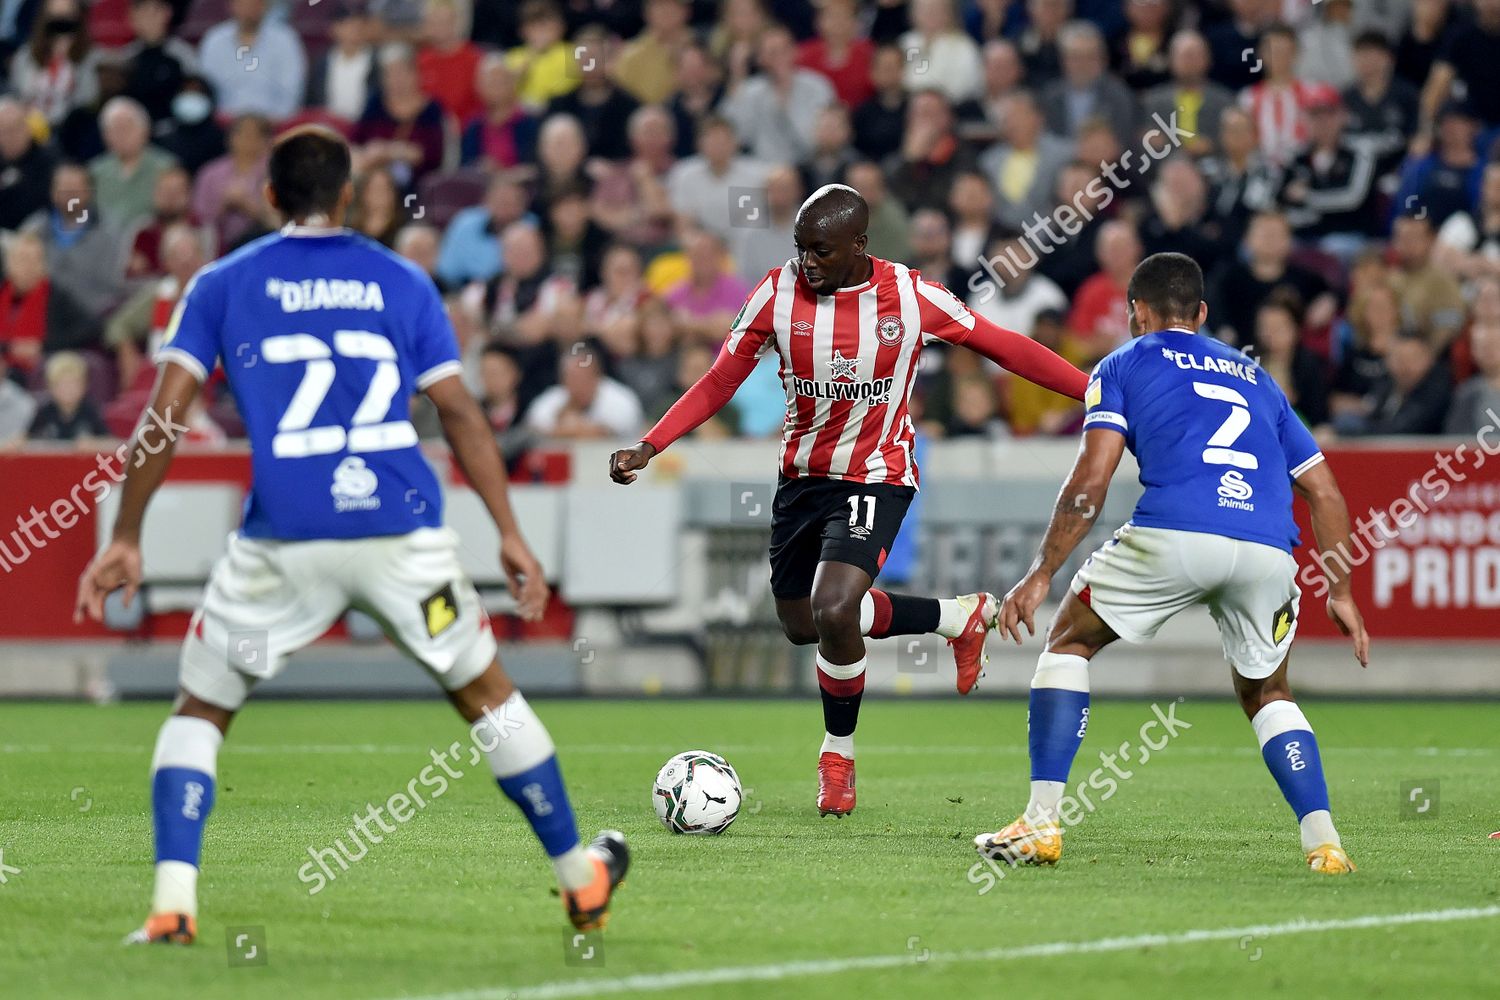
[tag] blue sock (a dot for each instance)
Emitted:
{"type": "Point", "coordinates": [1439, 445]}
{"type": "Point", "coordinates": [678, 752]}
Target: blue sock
{"type": "Point", "coordinates": [181, 799]}
{"type": "Point", "coordinates": [1054, 731]}
{"type": "Point", "coordinates": [541, 795]}
{"type": "Point", "coordinates": [1291, 753]}
{"type": "Point", "coordinates": [1293, 759]}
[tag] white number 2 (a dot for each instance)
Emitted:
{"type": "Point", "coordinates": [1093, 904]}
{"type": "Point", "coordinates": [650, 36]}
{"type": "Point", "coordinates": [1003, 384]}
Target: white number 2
{"type": "Point", "coordinates": [368, 429]}
{"type": "Point", "coordinates": [1218, 451]}
{"type": "Point", "coordinates": [869, 512]}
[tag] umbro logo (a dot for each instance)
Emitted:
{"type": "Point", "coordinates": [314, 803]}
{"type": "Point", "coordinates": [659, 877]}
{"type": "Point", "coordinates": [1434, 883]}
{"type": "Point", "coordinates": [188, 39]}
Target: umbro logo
{"type": "Point", "coordinates": [801, 328]}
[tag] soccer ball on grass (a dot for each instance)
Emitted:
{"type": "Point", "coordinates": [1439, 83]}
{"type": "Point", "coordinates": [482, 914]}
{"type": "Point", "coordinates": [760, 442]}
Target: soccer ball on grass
{"type": "Point", "coordinates": [697, 792]}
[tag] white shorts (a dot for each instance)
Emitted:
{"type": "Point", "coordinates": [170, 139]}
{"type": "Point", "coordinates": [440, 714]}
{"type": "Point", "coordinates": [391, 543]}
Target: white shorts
{"type": "Point", "coordinates": [267, 599]}
{"type": "Point", "coordinates": [1143, 576]}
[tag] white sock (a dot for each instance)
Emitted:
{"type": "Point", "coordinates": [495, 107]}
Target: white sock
{"type": "Point", "coordinates": [512, 737]}
{"type": "Point", "coordinates": [176, 889]}
{"type": "Point", "coordinates": [574, 869]}
{"type": "Point", "coordinates": [841, 745]}
{"type": "Point", "coordinates": [183, 741]}
{"type": "Point", "coordinates": [952, 617]}
{"type": "Point", "coordinates": [1042, 809]}
{"type": "Point", "coordinates": [1317, 830]}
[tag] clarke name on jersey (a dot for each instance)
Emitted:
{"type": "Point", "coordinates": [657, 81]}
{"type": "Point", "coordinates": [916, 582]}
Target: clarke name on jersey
{"type": "Point", "coordinates": [326, 293]}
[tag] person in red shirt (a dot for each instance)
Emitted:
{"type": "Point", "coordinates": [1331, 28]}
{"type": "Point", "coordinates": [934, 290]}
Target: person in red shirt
{"type": "Point", "coordinates": [848, 329]}
{"type": "Point", "coordinates": [1100, 307]}
{"type": "Point", "coordinates": [446, 61]}
{"type": "Point", "coordinates": [36, 316]}
{"type": "Point", "coordinates": [839, 53]}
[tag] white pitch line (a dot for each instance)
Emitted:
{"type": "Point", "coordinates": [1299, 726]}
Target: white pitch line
{"type": "Point", "coordinates": [650, 982]}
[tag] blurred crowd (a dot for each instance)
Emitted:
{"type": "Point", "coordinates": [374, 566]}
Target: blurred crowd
{"type": "Point", "coordinates": [596, 185]}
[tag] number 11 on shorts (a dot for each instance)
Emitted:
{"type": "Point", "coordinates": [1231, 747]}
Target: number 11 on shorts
{"type": "Point", "coordinates": [869, 524]}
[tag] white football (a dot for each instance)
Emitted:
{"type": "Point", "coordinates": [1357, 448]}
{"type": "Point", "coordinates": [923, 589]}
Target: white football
{"type": "Point", "coordinates": [697, 792]}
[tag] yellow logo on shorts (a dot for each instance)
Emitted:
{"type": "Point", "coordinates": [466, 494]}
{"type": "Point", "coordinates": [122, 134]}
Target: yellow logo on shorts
{"type": "Point", "coordinates": [1282, 623]}
{"type": "Point", "coordinates": [440, 611]}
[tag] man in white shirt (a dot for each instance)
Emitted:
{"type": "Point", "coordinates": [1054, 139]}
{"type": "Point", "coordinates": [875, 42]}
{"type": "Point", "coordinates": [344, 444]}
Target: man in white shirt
{"type": "Point", "coordinates": [719, 189]}
{"type": "Point", "coordinates": [256, 64]}
{"type": "Point", "coordinates": [776, 111]}
{"type": "Point", "coordinates": [586, 403]}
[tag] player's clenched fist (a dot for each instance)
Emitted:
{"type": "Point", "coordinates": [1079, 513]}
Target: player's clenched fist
{"type": "Point", "coordinates": [624, 463]}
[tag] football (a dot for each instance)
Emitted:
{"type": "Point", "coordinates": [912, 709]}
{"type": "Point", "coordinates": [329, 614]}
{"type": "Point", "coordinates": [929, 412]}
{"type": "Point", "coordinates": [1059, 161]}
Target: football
{"type": "Point", "coordinates": [696, 792]}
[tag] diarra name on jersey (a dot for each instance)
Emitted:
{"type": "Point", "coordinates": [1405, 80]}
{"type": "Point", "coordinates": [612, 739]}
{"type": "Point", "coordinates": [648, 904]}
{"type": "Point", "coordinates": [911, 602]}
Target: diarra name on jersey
{"type": "Point", "coordinates": [326, 293]}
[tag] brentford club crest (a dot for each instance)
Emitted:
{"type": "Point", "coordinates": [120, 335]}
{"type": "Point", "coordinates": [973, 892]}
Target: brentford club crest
{"type": "Point", "coordinates": [890, 330]}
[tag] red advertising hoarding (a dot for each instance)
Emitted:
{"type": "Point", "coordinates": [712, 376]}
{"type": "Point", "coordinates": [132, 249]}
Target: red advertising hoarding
{"type": "Point", "coordinates": [1426, 550]}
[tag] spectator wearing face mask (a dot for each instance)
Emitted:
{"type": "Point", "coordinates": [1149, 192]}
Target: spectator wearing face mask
{"type": "Point", "coordinates": [192, 134]}
{"type": "Point", "coordinates": [56, 72]}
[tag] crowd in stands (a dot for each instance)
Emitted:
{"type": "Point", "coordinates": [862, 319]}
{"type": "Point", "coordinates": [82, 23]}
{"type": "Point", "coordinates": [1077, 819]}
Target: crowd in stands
{"type": "Point", "coordinates": [595, 186]}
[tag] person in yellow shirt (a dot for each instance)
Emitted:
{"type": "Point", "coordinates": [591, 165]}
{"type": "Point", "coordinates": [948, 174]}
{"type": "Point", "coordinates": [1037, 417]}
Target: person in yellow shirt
{"type": "Point", "coordinates": [647, 67]}
{"type": "Point", "coordinates": [544, 63]}
{"type": "Point", "coordinates": [1031, 408]}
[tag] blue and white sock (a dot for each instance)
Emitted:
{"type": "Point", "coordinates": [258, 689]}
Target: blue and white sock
{"type": "Point", "coordinates": [182, 795]}
{"type": "Point", "coordinates": [524, 763]}
{"type": "Point", "coordinates": [1291, 753]}
{"type": "Point", "coordinates": [1055, 725]}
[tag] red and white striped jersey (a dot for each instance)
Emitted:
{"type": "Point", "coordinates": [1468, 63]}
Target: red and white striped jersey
{"type": "Point", "coordinates": [848, 361]}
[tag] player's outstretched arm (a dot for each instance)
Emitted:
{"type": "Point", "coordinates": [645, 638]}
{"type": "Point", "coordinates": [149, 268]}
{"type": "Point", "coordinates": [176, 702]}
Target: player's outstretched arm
{"type": "Point", "coordinates": [703, 399]}
{"type": "Point", "coordinates": [1025, 357]}
{"type": "Point", "coordinates": [151, 448]}
{"type": "Point", "coordinates": [1078, 506]}
{"type": "Point", "coordinates": [473, 445]}
{"type": "Point", "coordinates": [1330, 524]}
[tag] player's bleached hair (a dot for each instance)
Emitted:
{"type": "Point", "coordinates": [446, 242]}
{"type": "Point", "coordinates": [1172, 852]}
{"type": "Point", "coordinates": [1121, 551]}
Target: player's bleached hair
{"type": "Point", "coordinates": [1170, 285]}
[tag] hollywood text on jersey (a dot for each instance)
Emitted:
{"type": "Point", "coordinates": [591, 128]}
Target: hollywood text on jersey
{"type": "Point", "coordinates": [874, 393]}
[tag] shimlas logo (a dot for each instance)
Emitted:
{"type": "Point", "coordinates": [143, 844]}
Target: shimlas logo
{"type": "Point", "coordinates": [1234, 491]}
{"type": "Point", "coordinates": [326, 293]}
{"type": "Point", "coordinates": [353, 486]}
{"type": "Point", "coordinates": [876, 392]}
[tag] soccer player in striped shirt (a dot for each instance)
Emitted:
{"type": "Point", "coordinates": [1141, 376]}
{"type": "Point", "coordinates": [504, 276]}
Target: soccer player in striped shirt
{"type": "Point", "coordinates": [848, 329]}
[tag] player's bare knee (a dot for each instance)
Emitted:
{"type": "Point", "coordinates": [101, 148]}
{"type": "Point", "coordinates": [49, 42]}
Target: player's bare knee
{"type": "Point", "coordinates": [489, 690]}
{"type": "Point", "coordinates": [197, 708]}
{"type": "Point", "coordinates": [836, 615]}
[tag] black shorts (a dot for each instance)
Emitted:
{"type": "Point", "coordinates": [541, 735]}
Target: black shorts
{"type": "Point", "coordinates": [817, 520]}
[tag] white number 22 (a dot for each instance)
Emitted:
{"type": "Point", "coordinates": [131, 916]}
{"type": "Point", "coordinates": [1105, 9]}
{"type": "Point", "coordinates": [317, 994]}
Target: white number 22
{"type": "Point", "coordinates": [1219, 451]}
{"type": "Point", "coordinates": [368, 429]}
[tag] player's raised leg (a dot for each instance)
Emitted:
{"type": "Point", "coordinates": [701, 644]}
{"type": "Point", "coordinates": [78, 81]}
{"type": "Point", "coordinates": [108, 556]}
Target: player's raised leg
{"type": "Point", "coordinates": [965, 621]}
{"type": "Point", "coordinates": [524, 762]}
{"type": "Point", "coordinates": [183, 772]}
{"type": "Point", "coordinates": [1290, 750]}
{"type": "Point", "coordinates": [1057, 720]}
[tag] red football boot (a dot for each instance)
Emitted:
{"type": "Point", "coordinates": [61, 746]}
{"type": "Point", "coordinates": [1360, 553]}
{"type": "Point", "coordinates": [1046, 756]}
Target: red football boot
{"type": "Point", "coordinates": [968, 647]}
{"type": "Point", "coordinates": [835, 785]}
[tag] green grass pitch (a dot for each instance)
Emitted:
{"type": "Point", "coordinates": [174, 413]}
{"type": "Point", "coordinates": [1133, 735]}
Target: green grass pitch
{"type": "Point", "coordinates": [1196, 846]}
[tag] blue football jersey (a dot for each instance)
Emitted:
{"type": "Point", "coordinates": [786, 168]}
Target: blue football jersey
{"type": "Point", "coordinates": [324, 336]}
{"type": "Point", "coordinates": [1215, 438]}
